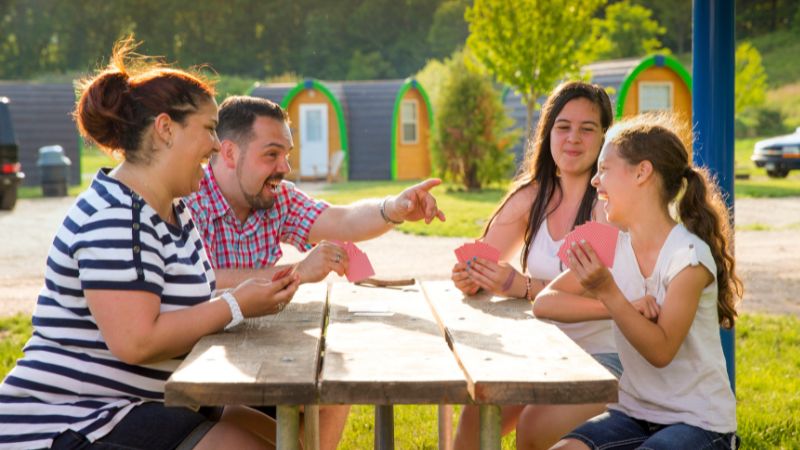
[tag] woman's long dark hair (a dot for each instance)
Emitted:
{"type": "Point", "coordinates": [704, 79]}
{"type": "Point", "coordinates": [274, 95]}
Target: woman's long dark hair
{"type": "Point", "coordinates": [701, 207]}
{"type": "Point", "coordinates": [540, 169]}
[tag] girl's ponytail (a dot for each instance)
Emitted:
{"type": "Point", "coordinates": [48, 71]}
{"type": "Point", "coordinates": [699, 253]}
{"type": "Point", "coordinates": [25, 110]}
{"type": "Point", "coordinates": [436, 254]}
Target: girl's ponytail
{"type": "Point", "coordinates": [703, 212]}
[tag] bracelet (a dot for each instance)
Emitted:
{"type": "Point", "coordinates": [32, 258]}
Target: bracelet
{"type": "Point", "coordinates": [236, 312]}
{"type": "Point", "coordinates": [385, 216]}
{"type": "Point", "coordinates": [509, 281]}
{"type": "Point", "coordinates": [528, 288]}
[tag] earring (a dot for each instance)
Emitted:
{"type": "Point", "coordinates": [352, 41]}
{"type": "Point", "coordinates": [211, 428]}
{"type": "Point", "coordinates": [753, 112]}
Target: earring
{"type": "Point", "coordinates": [169, 144]}
{"type": "Point", "coordinates": [558, 172]}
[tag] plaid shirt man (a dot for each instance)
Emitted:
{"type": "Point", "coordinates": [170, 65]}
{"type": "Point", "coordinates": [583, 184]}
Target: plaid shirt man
{"type": "Point", "coordinates": [255, 243]}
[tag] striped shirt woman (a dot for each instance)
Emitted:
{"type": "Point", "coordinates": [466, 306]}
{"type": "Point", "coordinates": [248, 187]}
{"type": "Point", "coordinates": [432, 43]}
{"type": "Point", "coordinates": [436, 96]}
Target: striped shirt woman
{"type": "Point", "coordinates": [68, 378]}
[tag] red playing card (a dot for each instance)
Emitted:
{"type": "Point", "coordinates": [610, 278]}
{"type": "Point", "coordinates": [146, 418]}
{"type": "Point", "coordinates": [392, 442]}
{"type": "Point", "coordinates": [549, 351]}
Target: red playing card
{"type": "Point", "coordinates": [602, 238]}
{"type": "Point", "coordinates": [461, 254]}
{"type": "Point", "coordinates": [359, 266]}
{"type": "Point", "coordinates": [486, 251]}
{"type": "Point", "coordinates": [282, 273]}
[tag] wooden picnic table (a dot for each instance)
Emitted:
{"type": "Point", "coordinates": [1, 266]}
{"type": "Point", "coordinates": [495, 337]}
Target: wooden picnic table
{"type": "Point", "coordinates": [419, 344]}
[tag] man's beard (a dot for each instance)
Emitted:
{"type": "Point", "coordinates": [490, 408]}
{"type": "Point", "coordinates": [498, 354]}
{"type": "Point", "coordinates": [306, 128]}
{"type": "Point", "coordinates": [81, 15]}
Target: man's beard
{"type": "Point", "coordinates": [256, 201]}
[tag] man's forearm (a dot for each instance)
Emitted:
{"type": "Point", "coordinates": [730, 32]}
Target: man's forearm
{"type": "Point", "coordinates": [355, 222]}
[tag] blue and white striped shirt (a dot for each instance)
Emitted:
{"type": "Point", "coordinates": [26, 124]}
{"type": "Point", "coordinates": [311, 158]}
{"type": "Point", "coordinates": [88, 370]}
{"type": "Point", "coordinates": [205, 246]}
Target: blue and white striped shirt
{"type": "Point", "coordinates": [68, 378]}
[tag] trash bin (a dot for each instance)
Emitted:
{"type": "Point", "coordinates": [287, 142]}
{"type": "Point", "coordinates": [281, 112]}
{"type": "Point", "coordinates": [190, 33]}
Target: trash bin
{"type": "Point", "coordinates": [54, 169]}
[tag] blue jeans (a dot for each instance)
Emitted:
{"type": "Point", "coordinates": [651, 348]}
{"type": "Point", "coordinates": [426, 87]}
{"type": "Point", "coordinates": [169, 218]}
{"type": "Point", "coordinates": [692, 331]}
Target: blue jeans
{"type": "Point", "coordinates": [610, 361]}
{"type": "Point", "coordinates": [148, 426]}
{"type": "Point", "coordinates": [616, 430]}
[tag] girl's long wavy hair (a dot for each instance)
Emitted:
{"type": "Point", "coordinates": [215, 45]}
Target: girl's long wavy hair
{"type": "Point", "coordinates": [700, 205]}
{"type": "Point", "coordinates": [540, 169]}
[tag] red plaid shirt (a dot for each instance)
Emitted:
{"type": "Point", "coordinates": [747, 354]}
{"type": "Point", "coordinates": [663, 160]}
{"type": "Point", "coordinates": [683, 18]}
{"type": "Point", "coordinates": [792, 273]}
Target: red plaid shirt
{"type": "Point", "coordinates": [256, 242]}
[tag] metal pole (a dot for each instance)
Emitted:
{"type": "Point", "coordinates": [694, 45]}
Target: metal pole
{"type": "Point", "coordinates": [491, 418]}
{"type": "Point", "coordinates": [288, 436]}
{"type": "Point", "coordinates": [384, 427]}
{"type": "Point", "coordinates": [712, 110]}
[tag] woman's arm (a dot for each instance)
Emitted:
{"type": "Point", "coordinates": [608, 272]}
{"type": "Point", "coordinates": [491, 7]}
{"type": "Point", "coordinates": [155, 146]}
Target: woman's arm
{"type": "Point", "coordinates": [137, 332]}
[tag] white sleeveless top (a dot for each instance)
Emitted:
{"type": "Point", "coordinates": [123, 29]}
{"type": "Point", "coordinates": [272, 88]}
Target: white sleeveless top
{"type": "Point", "coordinates": [543, 264]}
{"type": "Point", "coordinates": [694, 387]}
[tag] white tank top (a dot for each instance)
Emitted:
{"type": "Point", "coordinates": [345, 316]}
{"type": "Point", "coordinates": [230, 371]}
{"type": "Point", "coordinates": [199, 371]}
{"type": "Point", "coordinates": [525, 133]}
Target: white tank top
{"type": "Point", "coordinates": [594, 336]}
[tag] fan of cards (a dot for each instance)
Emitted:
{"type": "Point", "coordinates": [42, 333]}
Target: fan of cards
{"type": "Point", "coordinates": [602, 238]}
{"type": "Point", "coordinates": [479, 249]}
{"type": "Point", "coordinates": [358, 267]}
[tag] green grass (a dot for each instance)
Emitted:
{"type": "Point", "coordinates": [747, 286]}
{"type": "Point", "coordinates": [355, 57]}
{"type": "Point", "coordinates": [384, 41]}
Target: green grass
{"type": "Point", "coordinates": [768, 388]}
{"type": "Point", "coordinates": [466, 212]}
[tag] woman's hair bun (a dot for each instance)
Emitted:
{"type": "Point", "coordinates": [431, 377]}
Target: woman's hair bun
{"type": "Point", "coordinates": [105, 109]}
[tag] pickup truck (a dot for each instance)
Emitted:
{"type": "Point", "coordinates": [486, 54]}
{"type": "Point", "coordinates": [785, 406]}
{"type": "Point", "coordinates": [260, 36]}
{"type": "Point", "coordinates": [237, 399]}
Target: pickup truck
{"type": "Point", "coordinates": [778, 155]}
{"type": "Point", "coordinates": [11, 174]}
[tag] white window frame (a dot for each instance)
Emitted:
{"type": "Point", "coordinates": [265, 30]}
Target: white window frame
{"type": "Point", "coordinates": [415, 121]}
{"type": "Point", "coordinates": [670, 88]}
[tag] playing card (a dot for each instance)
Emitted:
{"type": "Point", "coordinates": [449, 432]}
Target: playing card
{"type": "Point", "coordinates": [359, 266]}
{"type": "Point", "coordinates": [479, 249]}
{"type": "Point", "coordinates": [602, 238]}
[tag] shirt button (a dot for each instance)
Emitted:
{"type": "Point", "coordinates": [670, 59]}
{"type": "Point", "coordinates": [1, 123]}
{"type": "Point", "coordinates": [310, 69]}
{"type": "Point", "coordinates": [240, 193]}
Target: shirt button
{"type": "Point", "coordinates": [136, 226]}
{"type": "Point", "coordinates": [136, 249]}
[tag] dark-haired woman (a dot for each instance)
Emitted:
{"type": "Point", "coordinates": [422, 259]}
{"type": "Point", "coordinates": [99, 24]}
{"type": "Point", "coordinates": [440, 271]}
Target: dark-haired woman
{"type": "Point", "coordinates": [128, 288]}
{"type": "Point", "coordinates": [550, 196]}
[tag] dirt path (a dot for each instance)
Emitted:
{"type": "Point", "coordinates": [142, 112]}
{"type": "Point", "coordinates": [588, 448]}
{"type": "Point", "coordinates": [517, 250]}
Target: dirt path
{"type": "Point", "coordinates": [768, 260]}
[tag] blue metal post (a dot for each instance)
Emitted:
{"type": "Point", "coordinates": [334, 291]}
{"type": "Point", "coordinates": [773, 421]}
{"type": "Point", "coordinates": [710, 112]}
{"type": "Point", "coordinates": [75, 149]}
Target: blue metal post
{"type": "Point", "coordinates": [712, 109]}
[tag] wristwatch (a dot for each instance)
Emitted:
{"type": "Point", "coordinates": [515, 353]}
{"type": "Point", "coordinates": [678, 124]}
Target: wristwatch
{"type": "Point", "coordinates": [236, 312]}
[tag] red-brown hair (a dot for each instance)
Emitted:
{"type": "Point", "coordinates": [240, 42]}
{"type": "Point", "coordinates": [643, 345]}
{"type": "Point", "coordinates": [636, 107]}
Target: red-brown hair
{"type": "Point", "coordinates": [121, 101]}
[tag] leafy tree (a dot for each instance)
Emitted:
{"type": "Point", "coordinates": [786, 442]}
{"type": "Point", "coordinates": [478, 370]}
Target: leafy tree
{"type": "Point", "coordinates": [751, 80]}
{"type": "Point", "coordinates": [449, 29]}
{"type": "Point", "coordinates": [675, 16]}
{"type": "Point", "coordinates": [470, 142]}
{"type": "Point", "coordinates": [627, 30]}
{"type": "Point", "coordinates": [367, 66]}
{"type": "Point", "coordinates": [531, 44]}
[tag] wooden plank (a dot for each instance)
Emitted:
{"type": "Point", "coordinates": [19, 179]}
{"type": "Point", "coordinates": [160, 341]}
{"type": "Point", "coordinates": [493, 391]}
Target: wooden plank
{"type": "Point", "coordinates": [383, 346]}
{"type": "Point", "coordinates": [269, 360]}
{"type": "Point", "coordinates": [509, 357]}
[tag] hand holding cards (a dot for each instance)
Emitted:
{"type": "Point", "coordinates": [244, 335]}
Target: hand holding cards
{"type": "Point", "coordinates": [359, 267]}
{"type": "Point", "coordinates": [602, 238]}
{"type": "Point", "coordinates": [479, 249]}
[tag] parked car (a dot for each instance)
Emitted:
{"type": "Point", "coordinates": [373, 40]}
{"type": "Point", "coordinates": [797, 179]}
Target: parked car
{"type": "Point", "coordinates": [10, 169]}
{"type": "Point", "coordinates": [778, 155]}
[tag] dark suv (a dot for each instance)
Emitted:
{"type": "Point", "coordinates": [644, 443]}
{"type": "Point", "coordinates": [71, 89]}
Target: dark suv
{"type": "Point", "coordinates": [10, 169]}
{"type": "Point", "coordinates": [778, 155]}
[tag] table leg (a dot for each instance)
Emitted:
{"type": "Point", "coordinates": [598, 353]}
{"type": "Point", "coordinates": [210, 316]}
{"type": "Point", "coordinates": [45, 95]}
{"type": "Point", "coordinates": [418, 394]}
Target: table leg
{"type": "Point", "coordinates": [445, 427]}
{"type": "Point", "coordinates": [288, 436]}
{"type": "Point", "coordinates": [311, 432]}
{"type": "Point", "coordinates": [384, 427]}
{"type": "Point", "coordinates": [491, 418]}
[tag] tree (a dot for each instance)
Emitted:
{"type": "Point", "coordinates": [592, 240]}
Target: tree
{"type": "Point", "coordinates": [471, 141]}
{"type": "Point", "coordinates": [675, 16]}
{"type": "Point", "coordinates": [627, 30]}
{"type": "Point", "coordinates": [751, 80]}
{"type": "Point", "coordinates": [448, 31]}
{"type": "Point", "coordinates": [531, 44]}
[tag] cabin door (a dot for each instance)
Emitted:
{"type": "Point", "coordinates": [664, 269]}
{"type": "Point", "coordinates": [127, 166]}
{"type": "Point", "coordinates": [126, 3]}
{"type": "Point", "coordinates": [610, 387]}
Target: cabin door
{"type": "Point", "coordinates": [314, 140]}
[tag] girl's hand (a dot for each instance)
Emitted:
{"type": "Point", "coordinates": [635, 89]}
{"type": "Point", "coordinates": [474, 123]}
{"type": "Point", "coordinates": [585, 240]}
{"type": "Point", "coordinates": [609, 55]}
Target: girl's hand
{"type": "Point", "coordinates": [593, 275]}
{"type": "Point", "coordinates": [491, 276]}
{"type": "Point", "coordinates": [257, 296]}
{"type": "Point", "coordinates": [648, 307]}
{"type": "Point", "coordinates": [462, 280]}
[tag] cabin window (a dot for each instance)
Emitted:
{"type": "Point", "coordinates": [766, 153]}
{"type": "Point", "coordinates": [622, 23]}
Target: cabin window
{"type": "Point", "coordinates": [409, 122]}
{"type": "Point", "coordinates": [655, 96]}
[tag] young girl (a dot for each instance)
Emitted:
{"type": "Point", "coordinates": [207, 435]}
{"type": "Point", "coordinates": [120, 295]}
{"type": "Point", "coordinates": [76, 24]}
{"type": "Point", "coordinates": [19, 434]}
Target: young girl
{"type": "Point", "coordinates": [551, 195]}
{"type": "Point", "coordinates": [675, 391]}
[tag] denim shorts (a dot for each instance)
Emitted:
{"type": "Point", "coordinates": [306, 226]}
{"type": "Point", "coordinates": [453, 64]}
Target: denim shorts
{"type": "Point", "coordinates": [610, 361]}
{"type": "Point", "coordinates": [616, 430]}
{"type": "Point", "coordinates": [150, 425]}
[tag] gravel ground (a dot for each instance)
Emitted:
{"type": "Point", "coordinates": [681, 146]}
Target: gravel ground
{"type": "Point", "coordinates": [768, 261]}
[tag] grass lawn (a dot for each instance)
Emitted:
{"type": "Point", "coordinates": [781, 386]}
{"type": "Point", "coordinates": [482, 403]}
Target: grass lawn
{"type": "Point", "coordinates": [768, 388]}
